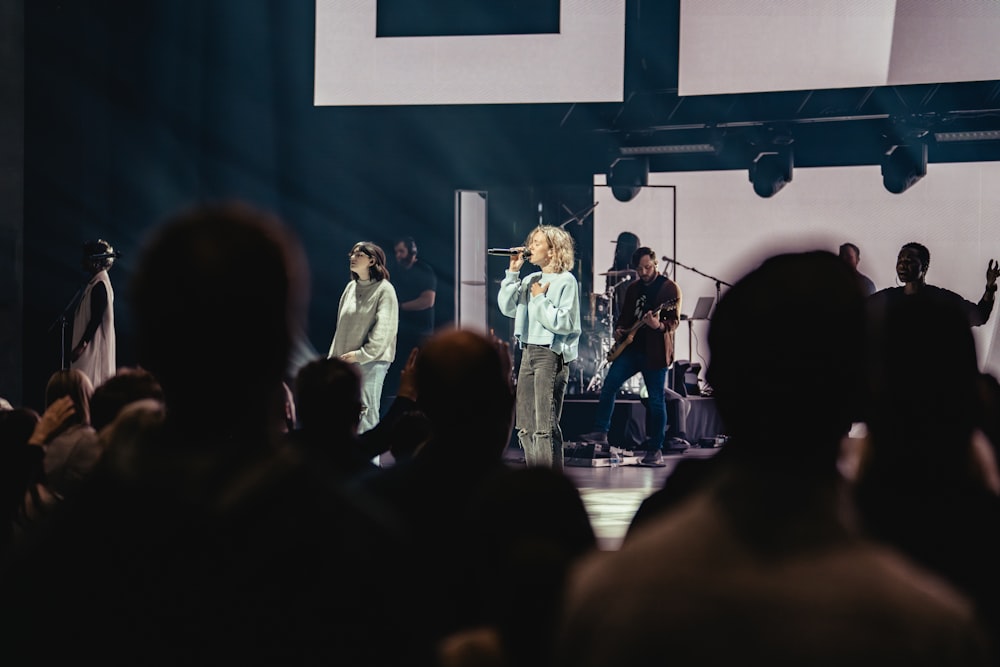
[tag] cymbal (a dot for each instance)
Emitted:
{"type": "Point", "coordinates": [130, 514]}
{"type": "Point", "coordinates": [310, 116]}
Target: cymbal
{"type": "Point", "coordinates": [617, 274]}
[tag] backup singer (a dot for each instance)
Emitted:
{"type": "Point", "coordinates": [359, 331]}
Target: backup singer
{"type": "Point", "coordinates": [367, 322]}
{"type": "Point", "coordinates": [911, 269]}
{"type": "Point", "coordinates": [545, 306]}
{"type": "Point", "coordinates": [650, 312]}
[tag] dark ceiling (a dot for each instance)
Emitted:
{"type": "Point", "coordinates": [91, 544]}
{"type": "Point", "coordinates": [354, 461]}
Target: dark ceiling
{"type": "Point", "coordinates": [831, 127]}
{"type": "Point", "coordinates": [824, 127]}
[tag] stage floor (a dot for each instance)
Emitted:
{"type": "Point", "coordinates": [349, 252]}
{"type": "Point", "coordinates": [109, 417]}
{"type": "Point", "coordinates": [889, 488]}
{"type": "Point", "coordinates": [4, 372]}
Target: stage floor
{"type": "Point", "coordinates": [612, 495]}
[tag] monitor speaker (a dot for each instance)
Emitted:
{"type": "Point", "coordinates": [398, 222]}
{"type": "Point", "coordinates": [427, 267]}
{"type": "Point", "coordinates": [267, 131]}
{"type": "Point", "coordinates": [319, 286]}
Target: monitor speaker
{"type": "Point", "coordinates": [684, 378]}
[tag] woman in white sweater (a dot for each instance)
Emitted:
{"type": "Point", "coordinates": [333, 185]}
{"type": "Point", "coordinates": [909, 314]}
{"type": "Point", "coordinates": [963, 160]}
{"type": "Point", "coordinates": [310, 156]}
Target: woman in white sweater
{"type": "Point", "coordinates": [367, 322]}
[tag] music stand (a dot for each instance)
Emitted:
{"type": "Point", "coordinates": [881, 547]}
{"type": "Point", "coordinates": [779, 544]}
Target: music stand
{"type": "Point", "coordinates": [703, 308]}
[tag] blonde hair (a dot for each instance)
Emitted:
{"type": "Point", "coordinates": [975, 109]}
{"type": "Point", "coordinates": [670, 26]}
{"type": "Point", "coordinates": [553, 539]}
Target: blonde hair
{"type": "Point", "coordinates": [561, 242]}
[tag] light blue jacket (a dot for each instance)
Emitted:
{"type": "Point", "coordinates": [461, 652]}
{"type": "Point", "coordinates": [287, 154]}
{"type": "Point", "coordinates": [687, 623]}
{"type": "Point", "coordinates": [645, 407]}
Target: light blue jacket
{"type": "Point", "coordinates": [551, 318]}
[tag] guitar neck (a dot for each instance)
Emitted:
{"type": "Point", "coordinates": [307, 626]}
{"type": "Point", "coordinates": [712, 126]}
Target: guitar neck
{"type": "Point", "coordinates": [634, 327]}
{"type": "Point", "coordinates": [626, 340]}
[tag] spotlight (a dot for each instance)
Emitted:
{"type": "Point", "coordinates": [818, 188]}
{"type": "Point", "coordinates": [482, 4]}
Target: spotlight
{"type": "Point", "coordinates": [626, 176]}
{"type": "Point", "coordinates": [903, 165]}
{"type": "Point", "coordinates": [667, 149]}
{"type": "Point", "coordinates": [975, 135]}
{"type": "Point", "coordinates": [770, 171]}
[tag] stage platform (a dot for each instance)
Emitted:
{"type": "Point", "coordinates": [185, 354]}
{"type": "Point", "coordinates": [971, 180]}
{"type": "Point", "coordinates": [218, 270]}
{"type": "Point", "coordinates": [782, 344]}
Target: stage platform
{"type": "Point", "coordinates": [583, 454]}
{"type": "Point", "coordinates": [628, 420]}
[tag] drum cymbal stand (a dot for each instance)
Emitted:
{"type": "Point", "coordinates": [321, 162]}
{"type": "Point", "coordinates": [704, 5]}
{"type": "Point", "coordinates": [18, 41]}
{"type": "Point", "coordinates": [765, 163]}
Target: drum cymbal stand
{"type": "Point", "coordinates": [597, 381]}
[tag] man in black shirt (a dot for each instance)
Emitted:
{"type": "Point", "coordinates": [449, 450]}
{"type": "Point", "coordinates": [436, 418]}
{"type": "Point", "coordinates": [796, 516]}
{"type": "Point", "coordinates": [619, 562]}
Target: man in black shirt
{"type": "Point", "coordinates": [851, 254]}
{"type": "Point", "coordinates": [911, 268]}
{"type": "Point", "coordinates": [416, 287]}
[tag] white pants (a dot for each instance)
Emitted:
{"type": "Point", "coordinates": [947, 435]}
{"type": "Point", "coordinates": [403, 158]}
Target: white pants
{"type": "Point", "coordinates": [372, 379]}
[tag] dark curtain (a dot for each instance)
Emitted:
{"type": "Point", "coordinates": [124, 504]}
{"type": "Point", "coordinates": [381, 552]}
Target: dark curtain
{"type": "Point", "coordinates": [137, 109]}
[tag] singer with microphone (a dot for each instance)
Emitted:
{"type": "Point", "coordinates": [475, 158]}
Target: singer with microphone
{"type": "Point", "coordinates": [545, 306]}
{"type": "Point", "coordinates": [510, 252]}
{"type": "Point", "coordinates": [93, 346]}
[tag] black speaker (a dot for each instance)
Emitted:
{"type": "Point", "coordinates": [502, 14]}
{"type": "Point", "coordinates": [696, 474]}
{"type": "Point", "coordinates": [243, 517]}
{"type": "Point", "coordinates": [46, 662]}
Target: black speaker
{"type": "Point", "coordinates": [675, 377]}
{"type": "Point", "coordinates": [691, 379]}
{"type": "Point", "coordinates": [684, 378]}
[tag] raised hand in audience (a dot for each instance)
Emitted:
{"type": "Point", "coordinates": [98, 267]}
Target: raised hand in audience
{"type": "Point", "coordinates": [53, 420]}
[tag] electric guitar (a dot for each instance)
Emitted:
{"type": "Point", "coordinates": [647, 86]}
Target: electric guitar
{"type": "Point", "coordinates": [629, 336]}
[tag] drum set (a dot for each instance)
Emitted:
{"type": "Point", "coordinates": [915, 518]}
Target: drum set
{"type": "Point", "coordinates": [598, 339]}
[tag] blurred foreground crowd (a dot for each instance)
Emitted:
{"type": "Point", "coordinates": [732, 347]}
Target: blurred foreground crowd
{"type": "Point", "coordinates": [202, 508]}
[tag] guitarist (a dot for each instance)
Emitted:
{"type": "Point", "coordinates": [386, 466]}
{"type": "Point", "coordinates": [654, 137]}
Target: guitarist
{"type": "Point", "coordinates": [650, 314]}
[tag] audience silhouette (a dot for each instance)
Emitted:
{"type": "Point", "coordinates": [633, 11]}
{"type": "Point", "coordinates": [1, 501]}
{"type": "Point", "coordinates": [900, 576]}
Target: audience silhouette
{"type": "Point", "coordinates": [763, 562]}
{"type": "Point", "coordinates": [989, 397]}
{"type": "Point", "coordinates": [197, 539]}
{"type": "Point", "coordinates": [687, 476]}
{"type": "Point", "coordinates": [329, 410]}
{"type": "Point", "coordinates": [72, 450]}
{"type": "Point", "coordinates": [463, 387]}
{"type": "Point", "coordinates": [126, 386]}
{"type": "Point", "coordinates": [20, 470]}
{"type": "Point", "coordinates": [176, 515]}
{"type": "Point", "coordinates": [404, 429]}
{"type": "Point", "coordinates": [530, 527]}
{"type": "Point", "coordinates": [923, 486]}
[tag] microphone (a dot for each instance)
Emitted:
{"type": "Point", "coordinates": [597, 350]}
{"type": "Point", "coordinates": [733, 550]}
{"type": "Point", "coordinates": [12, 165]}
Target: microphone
{"type": "Point", "coordinates": [509, 252]}
{"type": "Point", "coordinates": [667, 259]}
{"type": "Point", "coordinates": [114, 254]}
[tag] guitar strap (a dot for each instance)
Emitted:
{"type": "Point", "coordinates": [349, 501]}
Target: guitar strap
{"type": "Point", "coordinates": [649, 297]}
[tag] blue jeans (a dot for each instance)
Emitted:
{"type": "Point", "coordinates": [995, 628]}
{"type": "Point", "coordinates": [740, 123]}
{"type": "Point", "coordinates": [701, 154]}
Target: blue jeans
{"type": "Point", "coordinates": [628, 364]}
{"type": "Point", "coordinates": [372, 377]}
{"type": "Point", "coordinates": [541, 387]}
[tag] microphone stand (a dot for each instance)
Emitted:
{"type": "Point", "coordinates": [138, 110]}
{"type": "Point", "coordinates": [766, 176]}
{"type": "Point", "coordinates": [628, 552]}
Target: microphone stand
{"type": "Point", "coordinates": [612, 293]}
{"type": "Point", "coordinates": [62, 320]}
{"type": "Point", "coordinates": [579, 217]}
{"type": "Point", "coordinates": [718, 293]}
{"type": "Point", "coordinates": [718, 283]}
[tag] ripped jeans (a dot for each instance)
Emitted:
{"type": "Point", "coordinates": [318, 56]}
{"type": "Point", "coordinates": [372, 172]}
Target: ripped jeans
{"type": "Point", "coordinates": [541, 387]}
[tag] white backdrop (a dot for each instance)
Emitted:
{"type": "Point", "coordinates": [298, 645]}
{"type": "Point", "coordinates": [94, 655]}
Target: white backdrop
{"type": "Point", "coordinates": [724, 229]}
{"type": "Point", "coordinates": [650, 216]}
{"type": "Point", "coordinates": [584, 62]}
{"type": "Point", "coordinates": [738, 46]}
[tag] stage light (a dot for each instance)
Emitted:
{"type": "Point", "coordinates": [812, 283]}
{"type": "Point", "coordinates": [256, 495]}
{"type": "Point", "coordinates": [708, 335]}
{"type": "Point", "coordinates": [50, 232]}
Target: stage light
{"type": "Point", "coordinates": [903, 165]}
{"type": "Point", "coordinates": [974, 135]}
{"type": "Point", "coordinates": [771, 170]}
{"type": "Point", "coordinates": [668, 149]}
{"type": "Point", "coordinates": [627, 176]}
